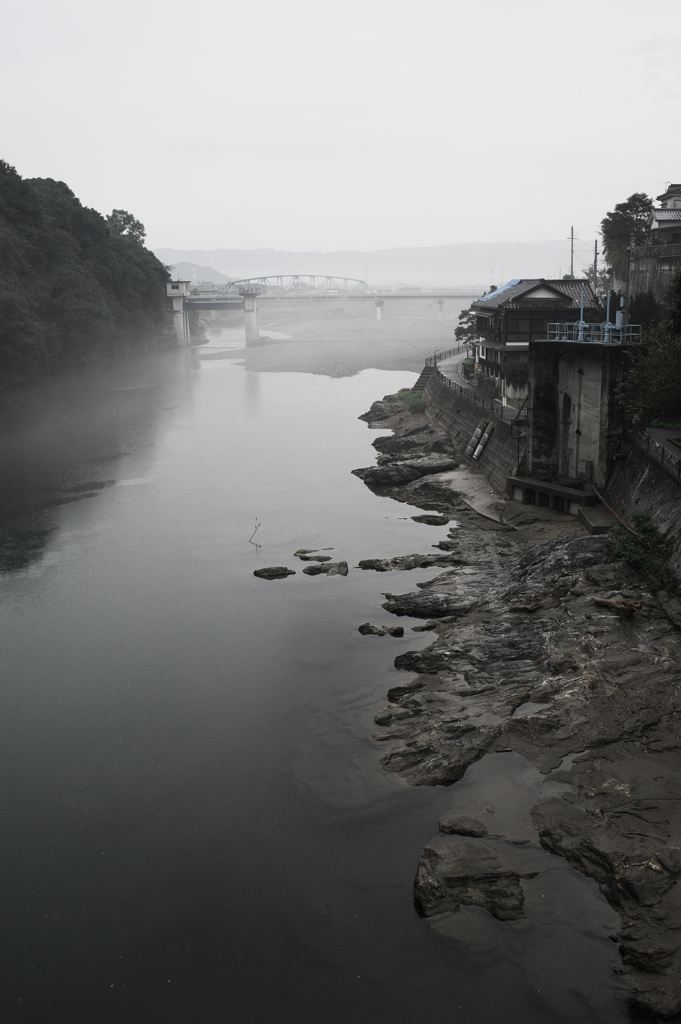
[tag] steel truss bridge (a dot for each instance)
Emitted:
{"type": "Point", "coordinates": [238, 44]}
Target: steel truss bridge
{"type": "Point", "coordinates": [281, 286]}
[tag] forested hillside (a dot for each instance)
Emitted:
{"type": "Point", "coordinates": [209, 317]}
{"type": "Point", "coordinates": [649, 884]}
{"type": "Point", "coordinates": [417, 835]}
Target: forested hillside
{"type": "Point", "coordinates": [73, 284]}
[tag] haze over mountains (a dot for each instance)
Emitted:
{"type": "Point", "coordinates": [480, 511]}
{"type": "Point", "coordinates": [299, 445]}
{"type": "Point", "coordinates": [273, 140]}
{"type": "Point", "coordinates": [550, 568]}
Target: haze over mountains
{"type": "Point", "coordinates": [473, 264]}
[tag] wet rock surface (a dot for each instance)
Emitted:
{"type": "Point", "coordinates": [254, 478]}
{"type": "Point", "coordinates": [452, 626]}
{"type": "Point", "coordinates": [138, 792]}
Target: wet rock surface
{"type": "Point", "coordinates": [327, 569]}
{"type": "Point", "coordinates": [452, 824]}
{"type": "Point", "coordinates": [461, 873]}
{"type": "Point", "coordinates": [546, 648]}
{"type": "Point", "coordinates": [274, 572]}
{"type": "Point", "coordinates": [405, 470]}
{"type": "Point", "coordinates": [366, 629]}
{"type": "Point", "coordinates": [407, 562]}
{"type": "Point", "coordinates": [431, 520]}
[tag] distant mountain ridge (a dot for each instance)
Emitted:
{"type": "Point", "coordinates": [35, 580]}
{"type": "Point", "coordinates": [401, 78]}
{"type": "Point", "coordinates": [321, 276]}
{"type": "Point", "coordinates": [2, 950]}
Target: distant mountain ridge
{"type": "Point", "coordinates": [465, 264]}
{"type": "Point", "coordinates": [196, 272]}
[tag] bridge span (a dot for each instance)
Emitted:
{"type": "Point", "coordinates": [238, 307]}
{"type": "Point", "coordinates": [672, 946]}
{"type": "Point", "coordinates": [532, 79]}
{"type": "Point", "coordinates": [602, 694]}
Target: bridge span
{"type": "Point", "coordinates": [245, 293]}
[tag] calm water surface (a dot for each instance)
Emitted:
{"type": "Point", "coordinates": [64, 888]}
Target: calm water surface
{"type": "Point", "coordinates": [195, 824]}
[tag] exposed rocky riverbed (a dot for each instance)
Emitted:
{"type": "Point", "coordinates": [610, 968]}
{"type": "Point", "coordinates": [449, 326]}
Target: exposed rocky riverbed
{"type": "Point", "coordinates": [529, 660]}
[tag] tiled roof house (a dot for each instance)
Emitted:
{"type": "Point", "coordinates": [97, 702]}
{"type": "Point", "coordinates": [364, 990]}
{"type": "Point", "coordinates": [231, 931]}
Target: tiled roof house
{"type": "Point", "coordinates": [665, 223]}
{"type": "Point", "coordinates": [520, 311]}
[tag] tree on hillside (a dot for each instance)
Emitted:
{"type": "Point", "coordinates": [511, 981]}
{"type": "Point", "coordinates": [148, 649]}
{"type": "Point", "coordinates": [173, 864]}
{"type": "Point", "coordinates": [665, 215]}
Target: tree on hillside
{"type": "Point", "coordinates": [626, 225]}
{"type": "Point", "coordinates": [75, 285]}
{"type": "Point", "coordinates": [123, 223]}
{"type": "Point", "coordinates": [651, 390]}
{"type": "Point", "coordinates": [468, 326]}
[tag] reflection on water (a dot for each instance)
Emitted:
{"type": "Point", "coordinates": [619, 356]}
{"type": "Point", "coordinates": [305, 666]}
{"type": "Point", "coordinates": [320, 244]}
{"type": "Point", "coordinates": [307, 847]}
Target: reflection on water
{"type": "Point", "coordinates": [196, 823]}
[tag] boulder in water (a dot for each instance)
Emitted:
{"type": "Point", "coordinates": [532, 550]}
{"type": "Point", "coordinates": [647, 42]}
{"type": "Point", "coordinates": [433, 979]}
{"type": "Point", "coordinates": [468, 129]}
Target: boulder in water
{"type": "Point", "coordinates": [274, 572]}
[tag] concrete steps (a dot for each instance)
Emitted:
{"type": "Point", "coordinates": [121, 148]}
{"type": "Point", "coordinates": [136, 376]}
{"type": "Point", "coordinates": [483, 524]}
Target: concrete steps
{"type": "Point", "coordinates": [426, 373]}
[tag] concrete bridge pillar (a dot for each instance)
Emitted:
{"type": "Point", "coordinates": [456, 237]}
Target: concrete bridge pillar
{"type": "Point", "coordinates": [440, 303]}
{"type": "Point", "coordinates": [250, 294]}
{"type": "Point", "coordinates": [379, 309]}
{"type": "Point", "coordinates": [176, 290]}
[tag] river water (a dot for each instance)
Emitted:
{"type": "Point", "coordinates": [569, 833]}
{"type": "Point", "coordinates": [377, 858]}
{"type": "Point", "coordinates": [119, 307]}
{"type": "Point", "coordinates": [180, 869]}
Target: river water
{"type": "Point", "coordinates": [195, 823]}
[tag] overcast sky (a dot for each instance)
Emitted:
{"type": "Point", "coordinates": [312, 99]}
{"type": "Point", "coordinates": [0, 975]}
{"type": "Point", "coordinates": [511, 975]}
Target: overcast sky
{"type": "Point", "coordinates": [329, 124]}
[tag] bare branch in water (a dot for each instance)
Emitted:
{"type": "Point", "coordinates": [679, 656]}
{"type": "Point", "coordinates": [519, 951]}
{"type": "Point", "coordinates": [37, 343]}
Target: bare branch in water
{"type": "Point", "coordinates": [250, 539]}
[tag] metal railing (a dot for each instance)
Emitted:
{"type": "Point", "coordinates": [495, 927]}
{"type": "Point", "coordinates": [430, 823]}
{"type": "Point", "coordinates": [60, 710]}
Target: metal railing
{"type": "Point", "coordinates": [644, 252]}
{"type": "Point", "coordinates": [485, 404]}
{"type": "Point", "coordinates": [445, 354]}
{"type": "Point", "coordinates": [658, 452]}
{"type": "Point", "coordinates": [596, 334]}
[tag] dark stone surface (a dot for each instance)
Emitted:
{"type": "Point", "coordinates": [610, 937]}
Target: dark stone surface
{"type": "Point", "coordinates": [383, 410]}
{"type": "Point", "coordinates": [406, 562]}
{"type": "Point", "coordinates": [366, 629]}
{"type": "Point", "coordinates": [327, 569]}
{"type": "Point", "coordinates": [404, 472]}
{"type": "Point", "coordinates": [599, 695]}
{"type": "Point", "coordinates": [451, 824]}
{"type": "Point", "coordinates": [459, 873]}
{"type": "Point", "coordinates": [274, 572]}
{"type": "Point", "coordinates": [427, 605]}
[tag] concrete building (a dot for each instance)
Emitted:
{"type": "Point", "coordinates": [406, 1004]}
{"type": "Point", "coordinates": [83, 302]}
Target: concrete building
{"type": "Point", "coordinates": [575, 424]}
{"type": "Point", "coordinates": [177, 290]}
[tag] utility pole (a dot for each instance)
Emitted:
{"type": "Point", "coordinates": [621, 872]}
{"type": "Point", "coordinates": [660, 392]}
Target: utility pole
{"type": "Point", "coordinates": [595, 265]}
{"type": "Point", "coordinates": [628, 294]}
{"type": "Point", "coordinates": [572, 252]}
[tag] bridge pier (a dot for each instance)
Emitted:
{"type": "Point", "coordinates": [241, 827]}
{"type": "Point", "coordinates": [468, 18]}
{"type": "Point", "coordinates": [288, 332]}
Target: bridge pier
{"type": "Point", "coordinates": [176, 290]}
{"type": "Point", "coordinates": [379, 309]}
{"type": "Point", "coordinates": [250, 296]}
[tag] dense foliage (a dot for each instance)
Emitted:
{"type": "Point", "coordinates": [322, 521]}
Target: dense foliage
{"type": "Point", "coordinates": [626, 225]}
{"type": "Point", "coordinates": [517, 372]}
{"type": "Point", "coordinates": [74, 284]}
{"type": "Point", "coordinates": [645, 310]}
{"type": "Point", "coordinates": [651, 390]}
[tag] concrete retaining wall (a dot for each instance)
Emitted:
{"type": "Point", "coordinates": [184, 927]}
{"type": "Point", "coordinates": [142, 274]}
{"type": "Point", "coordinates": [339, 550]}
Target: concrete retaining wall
{"type": "Point", "coordinates": [459, 418]}
{"type": "Point", "coordinates": [637, 484]}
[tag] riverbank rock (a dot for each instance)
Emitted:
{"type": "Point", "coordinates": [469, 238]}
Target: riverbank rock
{"type": "Point", "coordinates": [366, 629]}
{"type": "Point", "coordinates": [451, 824]}
{"type": "Point", "coordinates": [556, 675]}
{"type": "Point", "coordinates": [458, 873]}
{"type": "Point", "coordinates": [407, 562]}
{"type": "Point", "coordinates": [327, 569]}
{"type": "Point", "coordinates": [431, 520]}
{"type": "Point", "coordinates": [383, 409]}
{"type": "Point", "coordinates": [525, 659]}
{"type": "Point", "coordinates": [427, 605]}
{"type": "Point", "coordinates": [405, 471]}
{"type": "Point", "coordinates": [274, 572]}
{"type": "Point", "coordinates": [405, 445]}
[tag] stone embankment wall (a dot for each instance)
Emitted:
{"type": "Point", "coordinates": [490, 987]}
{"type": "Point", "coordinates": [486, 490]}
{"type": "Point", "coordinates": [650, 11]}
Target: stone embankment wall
{"type": "Point", "coordinates": [638, 484]}
{"type": "Point", "coordinates": [459, 417]}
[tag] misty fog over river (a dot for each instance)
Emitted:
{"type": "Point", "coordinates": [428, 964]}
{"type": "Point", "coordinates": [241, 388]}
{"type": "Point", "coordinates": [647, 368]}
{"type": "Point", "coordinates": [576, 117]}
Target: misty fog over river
{"type": "Point", "coordinates": [195, 822]}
